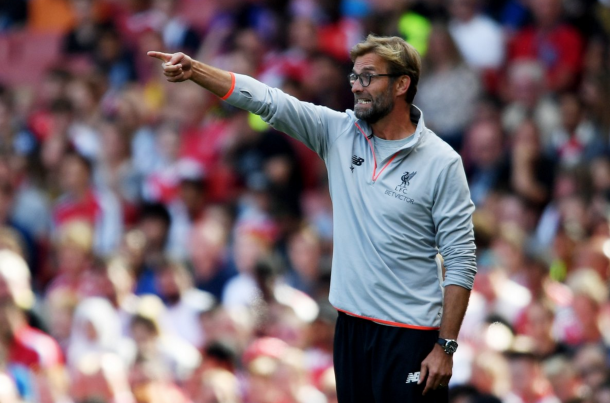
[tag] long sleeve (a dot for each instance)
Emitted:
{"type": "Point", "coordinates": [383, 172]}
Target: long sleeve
{"type": "Point", "coordinates": [452, 214]}
{"type": "Point", "coordinates": [316, 126]}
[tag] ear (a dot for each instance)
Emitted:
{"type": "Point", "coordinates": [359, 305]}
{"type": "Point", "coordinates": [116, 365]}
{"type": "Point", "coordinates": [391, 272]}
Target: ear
{"type": "Point", "coordinates": [402, 85]}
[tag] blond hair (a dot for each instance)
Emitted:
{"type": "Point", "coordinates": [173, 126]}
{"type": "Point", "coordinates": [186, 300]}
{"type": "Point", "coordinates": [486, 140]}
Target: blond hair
{"type": "Point", "coordinates": [400, 56]}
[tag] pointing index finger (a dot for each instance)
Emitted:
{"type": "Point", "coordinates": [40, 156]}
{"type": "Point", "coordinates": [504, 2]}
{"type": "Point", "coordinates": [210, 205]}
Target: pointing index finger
{"type": "Point", "coordinates": [166, 57]}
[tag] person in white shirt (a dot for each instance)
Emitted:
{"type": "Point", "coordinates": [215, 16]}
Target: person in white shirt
{"type": "Point", "coordinates": [479, 38]}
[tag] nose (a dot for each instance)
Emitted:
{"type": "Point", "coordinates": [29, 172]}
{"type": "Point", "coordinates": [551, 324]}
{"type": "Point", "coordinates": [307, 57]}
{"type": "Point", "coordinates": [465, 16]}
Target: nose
{"type": "Point", "coordinates": [356, 87]}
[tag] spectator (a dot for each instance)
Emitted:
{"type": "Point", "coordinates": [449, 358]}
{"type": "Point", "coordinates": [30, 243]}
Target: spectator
{"type": "Point", "coordinates": [526, 96]}
{"type": "Point", "coordinates": [14, 136]}
{"type": "Point", "coordinates": [177, 34]}
{"type": "Point", "coordinates": [114, 60]}
{"type": "Point", "coordinates": [218, 386]}
{"type": "Point", "coordinates": [264, 160]}
{"type": "Point", "coordinates": [529, 383]}
{"type": "Point", "coordinates": [82, 38]}
{"type": "Point", "coordinates": [595, 92]}
{"type": "Point", "coordinates": [208, 251]}
{"type": "Point", "coordinates": [324, 83]}
{"type": "Point", "coordinates": [555, 44]}
{"type": "Point", "coordinates": [115, 172]}
{"type": "Point", "coordinates": [576, 140]}
{"type": "Point", "coordinates": [577, 324]}
{"type": "Point", "coordinates": [490, 374]}
{"type": "Point", "coordinates": [177, 355]}
{"type": "Point", "coordinates": [85, 94]}
{"type": "Point", "coordinates": [96, 331]}
{"type": "Point", "coordinates": [293, 63]}
{"type": "Point", "coordinates": [184, 303]}
{"type": "Point", "coordinates": [24, 238]}
{"type": "Point", "coordinates": [305, 259]}
{"type": "Point", "coordinates": [60, 307]}
{"type": "Point", "coordinates": [249, 248]}
{"type": "Point", "coordinates": [81, 201]}
{"type": "Point", "coordinates": [530, 176]}
{"type": "Point", "coordinates": [449, 90]}
{"type": "Point", "coordinates": [564, 379]}
{"type": "Point", "coordinates": [15, 283]}
{"type": "Point", "coordinates": [537, 326]}
{"type": "Point", "coordinates": [154, 223]}
{"type": "Point", "coordinates": [188, 207]}
{"type": "Point", "coordinates": [73, 257]}
{"type": "Point", "coordinates": [151, 383]}
{"type": "Point", "coordinates": [479, 38]}
{"type": "Point", "coordinates": [589, 362]}
{"type": "Point", "coordinates": [483, 152]}
{"type": "Point", "coordinates": [22, 344]}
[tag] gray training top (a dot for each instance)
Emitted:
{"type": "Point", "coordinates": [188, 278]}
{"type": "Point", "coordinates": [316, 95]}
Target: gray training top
{"type": "Point", "coordinates": [391, 217]}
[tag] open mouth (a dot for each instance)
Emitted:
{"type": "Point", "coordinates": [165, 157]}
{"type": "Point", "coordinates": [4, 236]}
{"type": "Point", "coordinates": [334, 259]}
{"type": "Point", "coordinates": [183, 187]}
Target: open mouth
{"type": "Point", "coordinates": [363, 101]}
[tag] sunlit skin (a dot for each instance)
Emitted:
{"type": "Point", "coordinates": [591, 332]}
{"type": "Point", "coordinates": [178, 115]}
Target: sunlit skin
{"type": "Point", "coordinates": [383, 92]}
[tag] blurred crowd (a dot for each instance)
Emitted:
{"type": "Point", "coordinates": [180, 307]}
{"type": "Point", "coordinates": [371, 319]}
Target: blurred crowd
{"type": "Point", "coordinates": [158, 245]}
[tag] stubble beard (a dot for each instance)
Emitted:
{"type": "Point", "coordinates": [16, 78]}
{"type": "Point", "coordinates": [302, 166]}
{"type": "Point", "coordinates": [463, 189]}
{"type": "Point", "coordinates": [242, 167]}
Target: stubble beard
{"type": "Point", "coordinates": [381, 107]}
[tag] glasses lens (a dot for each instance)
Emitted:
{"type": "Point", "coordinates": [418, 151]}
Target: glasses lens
{"type": "Point", "coordinates": [352, 77]}
{"type": "Point", "coordinates": [365, 79]}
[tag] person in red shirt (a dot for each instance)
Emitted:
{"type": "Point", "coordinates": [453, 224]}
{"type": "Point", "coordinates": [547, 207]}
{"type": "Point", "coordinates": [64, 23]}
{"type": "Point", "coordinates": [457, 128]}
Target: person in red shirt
{"type": "Point", "coordinates": [80, 201]}
{"type": "Point", "coordinates": [31, 348]}
{"type": "Point", "coordinates": [557, 45]}
{"type": "Point", "coordinates": [26, 345]}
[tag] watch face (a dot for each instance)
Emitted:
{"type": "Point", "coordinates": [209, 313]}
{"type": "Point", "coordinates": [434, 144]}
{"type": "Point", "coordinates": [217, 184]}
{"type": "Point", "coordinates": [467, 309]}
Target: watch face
{"type": "Point", "coordinates": [451, 347]}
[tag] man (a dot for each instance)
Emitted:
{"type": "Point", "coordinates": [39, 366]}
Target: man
{"type": "Point", "coordinates": [400, 196]}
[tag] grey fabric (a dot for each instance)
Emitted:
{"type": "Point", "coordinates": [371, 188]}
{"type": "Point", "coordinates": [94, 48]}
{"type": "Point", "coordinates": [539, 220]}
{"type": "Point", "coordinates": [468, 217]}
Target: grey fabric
{"type": "Point", "coordinates": [389, 222]}
{"type": "Point", "coordinates": [386, 148]}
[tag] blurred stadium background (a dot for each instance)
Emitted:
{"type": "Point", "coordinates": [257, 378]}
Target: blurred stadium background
{"type": "Point", "coordinates": [157, 245]}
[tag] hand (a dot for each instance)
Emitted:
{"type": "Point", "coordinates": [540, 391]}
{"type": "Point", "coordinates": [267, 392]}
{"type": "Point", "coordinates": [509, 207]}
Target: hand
{"type": "Point", "coordinates": [177, 67]}
{"type": "Point", "coordinates": [436, 369]}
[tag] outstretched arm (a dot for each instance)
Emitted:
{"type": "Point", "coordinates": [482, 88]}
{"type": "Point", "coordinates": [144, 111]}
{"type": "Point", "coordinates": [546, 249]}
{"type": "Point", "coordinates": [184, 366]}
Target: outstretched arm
{"type": "Point", "coordinates": [178, 67]}
{"type": "Point", "coordinates": [314, 125]}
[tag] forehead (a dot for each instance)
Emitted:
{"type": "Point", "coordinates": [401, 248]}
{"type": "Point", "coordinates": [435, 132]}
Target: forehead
{"type": "Point", "coordinates": [370, 62]}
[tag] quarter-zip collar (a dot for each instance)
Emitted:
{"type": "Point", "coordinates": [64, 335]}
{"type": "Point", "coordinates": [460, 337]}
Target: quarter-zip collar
{"type": "Point", "coordinates": [416, 117]}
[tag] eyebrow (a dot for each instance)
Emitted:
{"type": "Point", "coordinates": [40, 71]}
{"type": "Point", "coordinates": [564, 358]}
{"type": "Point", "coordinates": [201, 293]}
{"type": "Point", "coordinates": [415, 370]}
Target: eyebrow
{"type": "Point", "coordinates": [367, 68]}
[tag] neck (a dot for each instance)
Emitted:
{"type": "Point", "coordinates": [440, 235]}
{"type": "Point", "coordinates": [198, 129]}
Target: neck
{"type": "Point", "coordinates": [396, 125]}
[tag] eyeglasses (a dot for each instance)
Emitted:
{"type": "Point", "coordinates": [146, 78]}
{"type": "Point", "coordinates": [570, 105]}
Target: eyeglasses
{"type": "Point", "coordinates": [365, 78]}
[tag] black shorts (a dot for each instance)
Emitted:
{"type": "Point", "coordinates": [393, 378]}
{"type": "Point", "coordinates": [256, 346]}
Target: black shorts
{"type": "Point", "coordinates": [375, 363]}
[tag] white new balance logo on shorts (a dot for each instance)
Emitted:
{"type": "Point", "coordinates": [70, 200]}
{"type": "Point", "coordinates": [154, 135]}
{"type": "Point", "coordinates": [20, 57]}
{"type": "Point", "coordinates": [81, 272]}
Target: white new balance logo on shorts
{"type": "Point", "coordinates": [413, 377]}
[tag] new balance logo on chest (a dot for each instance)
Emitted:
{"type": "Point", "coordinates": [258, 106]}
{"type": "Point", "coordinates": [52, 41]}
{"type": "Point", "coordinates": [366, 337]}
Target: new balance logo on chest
{"type": "Point", "coordinates": [356, 161]}
{"type": "Point", "coordinates": [413, 377]}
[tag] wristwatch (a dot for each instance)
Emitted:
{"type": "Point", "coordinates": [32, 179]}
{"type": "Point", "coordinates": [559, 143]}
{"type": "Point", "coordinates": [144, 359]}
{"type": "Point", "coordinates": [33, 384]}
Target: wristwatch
{"type": "Point", "coordinates": [449, 345]}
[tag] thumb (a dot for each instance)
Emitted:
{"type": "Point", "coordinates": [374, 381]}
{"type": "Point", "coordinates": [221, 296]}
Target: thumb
{"type": "Point", "coordinates": [166, 57]}
{"type": "Point", "coordinates": [176, 58]}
